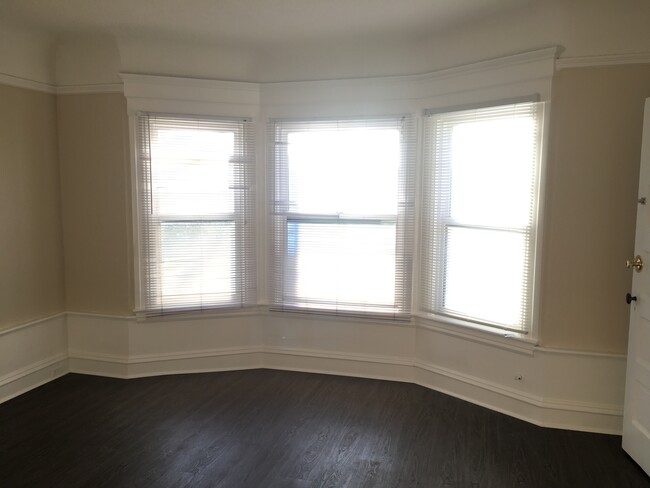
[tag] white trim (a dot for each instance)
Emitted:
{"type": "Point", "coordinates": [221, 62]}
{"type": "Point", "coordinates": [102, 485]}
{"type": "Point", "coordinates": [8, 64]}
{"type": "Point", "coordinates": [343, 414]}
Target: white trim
{"type": "Point", "coordinates": [408, 81]}
{"type": "Point", "coordinates": [190, 96]}
{"type": "Point", "coordinates": [101, 315]}
{"type": "Point", "coordinates": [593, 417]}
{"type": "Point", "coordinates": [585, 398]}
{"type": "Point", "coordinates": [600, 420]}
{"type": "Point", "coordinates": [317, 353]}
{"type": "Point", "coordinates": [156, 358]}
{"type": "Point", "coordinates": [523, 75]}
{"type": "Point", "coordinates": [534, 400]}
{"type": "Point", "coordinates": [32, 353]}
{"type": "Point", "coordinates": [90, 89]}
{"type": "Point", "coordinates": [340, 319]}
{"type": "Point", "coordinates": [114, 366]}
{"type": "Point", "coordinates": [602, 60]}
{"type": "Point", "coordinates": [252, 311]}
{"type": "Point", "coordinates": [31, 323]}
{"type": "Point", "coordinates": [503, 70]}
{"type": "Point", "coordinates": [33, 377]}
{"type": "Point", "coordinates": [448, 326]}
{"type": "Point", "coordinates": [576, 390]}
{"type": "Point", "coordinates": [137, 84]}
{"type": "Point", "coordinates": [32, 368]}
{"type": "Point", "coordinates": [474, 69]}
{"type": "Point", "coordinates": [10, 80]}
{"type": "Point", "coordinates": [572, 352]}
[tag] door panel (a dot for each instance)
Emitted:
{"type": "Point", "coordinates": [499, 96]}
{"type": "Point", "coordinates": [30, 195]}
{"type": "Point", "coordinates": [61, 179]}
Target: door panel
{"type": "Point", "coordinates": [636, 419]}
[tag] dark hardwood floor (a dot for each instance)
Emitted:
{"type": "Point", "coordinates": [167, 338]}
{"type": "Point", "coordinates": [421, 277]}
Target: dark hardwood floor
{"type": "Point", "coordinates": [264, 428]}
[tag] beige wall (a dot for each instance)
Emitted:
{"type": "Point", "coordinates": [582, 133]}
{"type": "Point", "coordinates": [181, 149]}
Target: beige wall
{"type": "Point", "coordinates": [95, 189]}
{"type": "Point", "coordinates": [595, 145]}
{"type": "Point", "coordinates": [593, 160]}
{"type": "Point", "coordinates": [31, 265]}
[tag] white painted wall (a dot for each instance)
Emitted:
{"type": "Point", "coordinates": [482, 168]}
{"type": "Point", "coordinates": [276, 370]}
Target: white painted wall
{"type": "Point", "coordinates": [564, 389]}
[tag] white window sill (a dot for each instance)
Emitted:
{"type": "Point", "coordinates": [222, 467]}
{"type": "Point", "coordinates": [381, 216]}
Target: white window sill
{"type": "Point", "coordinates": [465, 329]}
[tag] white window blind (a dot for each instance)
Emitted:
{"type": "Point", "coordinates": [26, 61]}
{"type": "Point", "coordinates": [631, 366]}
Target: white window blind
{"type": "Point", "coordinates": [479, 215]}
{"type": "Point", "coordinates": [196, 212]}
{"type": "Point", "coordinates": [342, 215]}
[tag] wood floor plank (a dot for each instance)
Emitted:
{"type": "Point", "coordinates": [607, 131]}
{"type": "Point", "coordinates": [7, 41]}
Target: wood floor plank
{"type": "Point", "coordinates": [264, 428]}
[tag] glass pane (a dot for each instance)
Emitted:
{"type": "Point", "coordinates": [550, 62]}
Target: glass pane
{"type": "Point", "coordinates": [347, 171]}
{"type": "Point", "coordinates": [341, 263]}
{"type": "Point", "coordinates": [492, 171]}
{"type": "Point", "coordinates": [485, 274]}
{"type": "Point", "coordinates": [197, 263]}
{"type": "Point", "coordinates": [192, 172]}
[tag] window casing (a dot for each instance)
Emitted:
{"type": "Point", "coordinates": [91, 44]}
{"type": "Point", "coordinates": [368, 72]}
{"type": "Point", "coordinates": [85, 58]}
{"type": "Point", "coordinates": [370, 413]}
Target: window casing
{"type": "Point", "coordinates": [479, 214]}
{"type": "Point", "coordinates": [196, 212]}
{"type": "Point", "coordinates": [342, 206]}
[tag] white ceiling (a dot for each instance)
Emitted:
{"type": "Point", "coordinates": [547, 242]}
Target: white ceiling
{"type": "Point", "coordinates": [252, 23]}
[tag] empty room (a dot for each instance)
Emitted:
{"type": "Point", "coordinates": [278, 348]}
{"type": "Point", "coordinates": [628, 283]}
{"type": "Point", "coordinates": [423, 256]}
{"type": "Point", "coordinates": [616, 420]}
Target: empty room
{"type": "Point", "coordinates": [310, 243]}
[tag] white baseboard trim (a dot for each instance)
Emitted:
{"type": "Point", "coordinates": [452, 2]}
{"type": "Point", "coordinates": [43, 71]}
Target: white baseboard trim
{"type": "Point", "coordinates": [227, 359]}
{"type": "Point", "coordinates": [585, 417]}
{"type": "Point", "coordinates": [555, 413]}
{"type": "Point", "coordinates": [33, 353]}
{"type": "Point", "coordinates": [33, 376]}
{"type": "Point", "coordinates": [573, 390]}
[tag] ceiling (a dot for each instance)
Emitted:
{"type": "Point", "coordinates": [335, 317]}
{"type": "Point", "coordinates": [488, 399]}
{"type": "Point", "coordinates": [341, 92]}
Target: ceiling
{"type": "Point", "coordinates": [251, 23]}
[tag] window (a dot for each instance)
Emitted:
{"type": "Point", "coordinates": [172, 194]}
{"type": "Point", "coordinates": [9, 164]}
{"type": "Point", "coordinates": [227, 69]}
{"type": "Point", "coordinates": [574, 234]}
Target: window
{"type": "Point", "coordinates": [342, 215]}
{"type": "Point", "coordinates": [196, 212]}
{"type": "Point", "coordinates": [480, 214]}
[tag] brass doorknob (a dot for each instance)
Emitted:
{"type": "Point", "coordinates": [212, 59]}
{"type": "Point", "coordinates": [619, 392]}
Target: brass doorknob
{"type": "Point", "coordinates": [637, 264]}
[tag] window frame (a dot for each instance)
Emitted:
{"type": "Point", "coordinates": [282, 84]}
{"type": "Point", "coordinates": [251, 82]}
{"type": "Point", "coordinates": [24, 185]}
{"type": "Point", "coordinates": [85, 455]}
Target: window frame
{"type": "Point", "coordinates": [430, 304]}
{"type": "Point", "coordinates": [280, 217]}
{"type": "Point", "coordinates": [149, 223]}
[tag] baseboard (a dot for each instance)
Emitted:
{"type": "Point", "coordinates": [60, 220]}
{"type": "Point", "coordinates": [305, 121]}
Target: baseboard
{"type": "Point", "coordinates": [560, 389]}
{"type": "Point", "coordinates": [227, 359]}
{"type": "Point", "coordinates": [484, 390]}
{"type": "Point", "coordinates": [603, 419]}
{"type": "Point", "coordinates": [563, 414]}
{"type": "Point", "coordinates": [31, 377]}
{"type": "Point", "coordinates": [33, 353]}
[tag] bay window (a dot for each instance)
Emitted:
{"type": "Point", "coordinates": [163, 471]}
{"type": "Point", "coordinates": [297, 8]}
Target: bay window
{"type": "Point", "coordinates": [342, 215]}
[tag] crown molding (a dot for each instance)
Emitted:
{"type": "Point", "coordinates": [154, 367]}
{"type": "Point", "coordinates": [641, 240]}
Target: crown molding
{"type": "Point", "coordinates": [10, 80]}
{"type": "Point", "coordinates": [602, 60]}
{"type": "Point", "coordinates": [17, 81]}
{"type": "Point", "coordinates": [536, 67]}
{"type": "Point", "coordinates": [152, 93]}
{"type": "Point", "coordinates": [193, 89]}
{"type": "Point", "coordinates": [89, 89]}
{"type": "Point", "coordinates": [207, 88]}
